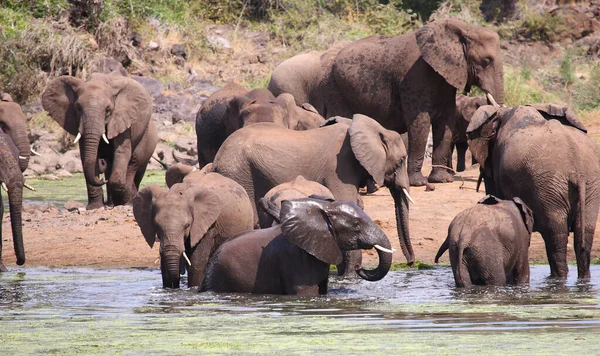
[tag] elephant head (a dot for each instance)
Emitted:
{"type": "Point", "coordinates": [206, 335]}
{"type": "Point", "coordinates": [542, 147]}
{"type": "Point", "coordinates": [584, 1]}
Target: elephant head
{"type": "Point", "coordinates": [105, 106]}
{"type": "Point", "coordinates": [464, 55]}
{"type": "Point", "coordinates": [299, 117]}
{"type": "Point", "coordinates": [179, 218]}
{"type": "Point", "coordinates": [524, 211]}
{"type": "Point", "coordinates": [180, 173]}
{"type": "Point", "coordinates": [383, 155]}
{"type": "Point", "coordinates": [14, 124]}
{"type": "Point", "coordinates": [326, 228]}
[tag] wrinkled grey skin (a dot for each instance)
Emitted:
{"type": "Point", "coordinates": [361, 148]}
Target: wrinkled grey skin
{"type": "Point", "coordinates": [14, 123]}
{"type": "Point", "coordinates": [294, 257]}
{"type": "Point", "coordinates": [465, 108]}
{"type": "Point", "coordinates": [113, 105]}
{"type": "Point", "coordinates": [407, 83]}
{"type": "Point", "coordinates": [10, 174]}
{"type": "Point", "coordinates": [552, 166]}
{"type": "Point", "coordinates": [269, 206]}
{"type": "Point", "coordinates": [489, 243]}
{"type": "Point", "coordinates": [339, 156]}
{"type": "Point", "coordinates": [196, 217]}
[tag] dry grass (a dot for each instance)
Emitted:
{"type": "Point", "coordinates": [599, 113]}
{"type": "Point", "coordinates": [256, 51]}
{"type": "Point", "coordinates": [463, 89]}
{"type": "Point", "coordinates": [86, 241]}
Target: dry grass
{"type": "Point", "coordinates": [42, 120]}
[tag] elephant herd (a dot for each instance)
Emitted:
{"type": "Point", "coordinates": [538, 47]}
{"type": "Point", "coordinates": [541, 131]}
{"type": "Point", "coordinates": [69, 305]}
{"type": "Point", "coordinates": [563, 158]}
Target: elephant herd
{"type": "Point", "coordinates": [275, 201]}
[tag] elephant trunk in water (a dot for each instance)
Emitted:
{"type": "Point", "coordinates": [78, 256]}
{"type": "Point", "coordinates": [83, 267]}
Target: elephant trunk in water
{"type": "Point", "coordinates": [170, 262]}
{"type": "Point", "coordinates": [90, 141]}
{"type": "Point", "coordinates": [15, 203]}
{"type": "Point", "coordinates": [377, 237]}
{"type": "Point", "coordinates": [401, 203]}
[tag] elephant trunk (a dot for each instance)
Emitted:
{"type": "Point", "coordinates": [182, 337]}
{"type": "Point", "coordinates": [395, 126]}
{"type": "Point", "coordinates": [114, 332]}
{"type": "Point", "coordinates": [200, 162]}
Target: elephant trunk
{"type": "Point", "coordinates": [22, 142]}
{"type": "Point", "coordinates": [379, 239]}
{"type": "Point", "coordinates": [89, 151]}
{"type": "Point", "coordinates": [170, 262]}
{"type": "Point", "coordinates": [401, 204]}
{"type": "Point", "coordinates": [15, 203]}
{"type": "Point", "coordinates": [499, 85]}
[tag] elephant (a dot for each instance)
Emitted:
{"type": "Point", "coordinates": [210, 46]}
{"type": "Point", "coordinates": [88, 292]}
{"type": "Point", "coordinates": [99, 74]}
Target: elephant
{"type": "Point", "coordinates": [111, 107]}
{"type": "Point", "coordinates": [269, 206]}
{"type": "Point", "coordinates": [407, 83]}
{"type": "Point", "coordinates": [293, 258]}
{"type": "Point", "coordinates": [489, 243]}
{"type": "Point", "coordinates": [339, 156]}
{"type": "Point", "coordinates": [179, 173]}
{"type": "Point", "coordinates": [14, 124]}
{"type": "Point", "coordinates": [465, 108]}
{"type": "Point", "coordinates": [551, 165]}
{"type": "Point", "coordinates": [12, 181]}
{"type": "Point", "coordinates": [234, 107]}
{"type": "Point", "coordinates": [191, 219]}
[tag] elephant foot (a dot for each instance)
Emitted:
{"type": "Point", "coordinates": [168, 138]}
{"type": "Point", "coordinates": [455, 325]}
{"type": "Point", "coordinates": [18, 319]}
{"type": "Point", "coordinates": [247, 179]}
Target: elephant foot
{"type": "Point", "coordinates": [371, 187]}
{"type": "Point", "coordinates": [94, 205]}
{"type": "Point", "coordinates": [3, 267]}
{"type": "Point", "coordinates": [440, 176]}
{"type": "Point", "coordinates": [417, 179]}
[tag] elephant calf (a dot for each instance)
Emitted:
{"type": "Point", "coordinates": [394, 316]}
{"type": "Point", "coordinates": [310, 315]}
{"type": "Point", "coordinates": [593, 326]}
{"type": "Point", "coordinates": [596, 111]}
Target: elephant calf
{"type": "Point", "coordinates": [489, 243]}
{"type": "Point", "coordinates": [294, 257]}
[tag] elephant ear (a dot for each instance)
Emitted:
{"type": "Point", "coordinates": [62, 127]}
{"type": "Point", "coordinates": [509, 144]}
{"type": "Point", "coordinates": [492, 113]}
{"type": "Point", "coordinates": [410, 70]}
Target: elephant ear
{"type": "Point", "coordinates": [481, 131]}
{"type": "Point", "coordinates": [206, 209]}
{"type": "Point", "coordinates": [336, 120]}
{"type": "Point", "coordinates": [143, 204]}
{"type": "Point", "coordinates": [304, 223]}
{"type": "Point", "coordinates": [442, 46]}
{"type": "Point", "coordinates": [308, 107]}
{"type": "Point", "coordinates": [132, 103]}
{"type": "Point", "coordinates": [371, 146]}
{"type": "Point", "coordinates": [561, 113]}
{"type": "Point", "coordinates": [321, 197]}
{"type": "Point", "coordinates": [526, 213]}
{"type": "Point", "coordinates": [489, 200]}
{"type": "Point", "coordinates": [177, 172]}
{"type": "Point", "coordinates": [233, 120]}
{"type": "Point", "coordinates": [59, 101]}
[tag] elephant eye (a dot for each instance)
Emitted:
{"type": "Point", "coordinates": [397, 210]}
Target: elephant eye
{"type": "Point", "coordinates": [486, 62]}
{"type": "Point", "coordinates": [186, 226]}
{"type": "Point", "coordinates": [107, 111]}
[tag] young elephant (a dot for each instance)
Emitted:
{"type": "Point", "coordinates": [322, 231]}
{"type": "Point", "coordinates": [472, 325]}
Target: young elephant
{"type": "Point", "coordinates": [269, 206]}
{"type": "Point", "coordinates": [489, 243]}
{"type": "Point", "coordinates": [294, 257]}
{"type": "Point", "coordinates": [191, 219]}
{"type": "Point", "coordinates": [465, 108]}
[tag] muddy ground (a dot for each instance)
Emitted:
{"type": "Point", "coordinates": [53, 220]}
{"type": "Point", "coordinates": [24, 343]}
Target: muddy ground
{"type": "Point", "coordinates": [111, 238]}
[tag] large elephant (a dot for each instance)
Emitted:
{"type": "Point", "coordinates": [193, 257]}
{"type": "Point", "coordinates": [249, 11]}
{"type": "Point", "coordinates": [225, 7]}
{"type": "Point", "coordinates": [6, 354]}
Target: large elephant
{"type": "Point", "coordinates": [191, 219]}
{"type": "Point", "coordinates": [12, 180]}
{"type": "Point", "coordinates": [551, 165]}
{"type": "Point", "coordinates": [489, 243]}
{"type": "Point", "coordinates": [407, 83]}
{"type": "Point", "coordinates": [14, 123]}
{"type": "Point", "coordinates": [340, 156]}
{"type": "Point", "coordinates": [294, 257]}
{"type": "Point", "coordinates": [106, 107]}
{"type": "Point", "coordinates": [465, 108]}
{"type": "Point", "coordinates": [233, 107]}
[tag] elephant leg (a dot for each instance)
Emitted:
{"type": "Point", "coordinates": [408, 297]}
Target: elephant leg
{"type": "Point", "coordinates": [417, 142]}
{"type": "Point", "coordinates": [95, 197]}
{"type": "Point", "coordinates": [556, 249]}
{"type": "Point", "coordinates": [351, 261]}
{"type": "Point", "coordinates": [371, 187]}
{"type": "Point", "coordinates": [199, 256]}
{"type": "Point", "coordinates": [461, 150]}
{"type": "Point", "coordinates": [2, 267]}
{"type": "Point", "coordinates": [583, 249]}
{"type": "Point", "coordinates": [442, 139]}
{"type": "Point", "coordinates": [521, 272]}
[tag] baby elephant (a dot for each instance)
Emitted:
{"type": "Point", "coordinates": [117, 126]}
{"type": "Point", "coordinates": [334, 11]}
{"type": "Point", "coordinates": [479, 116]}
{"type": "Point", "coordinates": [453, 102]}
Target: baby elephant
{"type": "Point", "coordinates": [489, 243]}
{"type": "Point", "coordinates": [269, 206]}
{"type": "Point", "coordinates": [294, 257]}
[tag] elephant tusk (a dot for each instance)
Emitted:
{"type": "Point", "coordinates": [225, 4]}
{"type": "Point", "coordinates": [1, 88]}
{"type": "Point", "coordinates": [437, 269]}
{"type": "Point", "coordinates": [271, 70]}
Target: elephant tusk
{"type": "Point", "coordinates": [4, 187]}
{"type": "Point", "coordinates": [28, 186]}
{"type": "Point", "coordinates": [381, 248]}
{"type": "Point", "coordinates": [34, 152]}
{"type": "Point", "coordinates": [407, 195]}
{"type": "Point", "coordinates": [194, 169]}
{"type": "Point", "coordinates": [491, 100]}
{"type": "Point", "coordinates": [187, 259]}
{"type": "Point", "coordinates": [105, 138]}
{"type": "Point", "coordinates": [77, 138]}
{"type": "Point", "coordinates": [22, 157]}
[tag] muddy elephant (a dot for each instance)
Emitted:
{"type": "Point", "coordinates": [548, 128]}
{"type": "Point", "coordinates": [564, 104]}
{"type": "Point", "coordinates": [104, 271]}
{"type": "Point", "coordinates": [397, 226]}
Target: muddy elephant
{"type": "Point", "coordinates": [191, 219]}
{"type": "Point", "coordinates": [269, 206]}
{"type": "Point", "coordinates": [14, 123]}
{"type": "Point", "coordinates": [12, 181]}
{"type": "Point", "coordinates": [489, 243]}
{"type": "Point", "coordinates": [339, 156]}
{"type": "Point", "coordinates": [407, 83]}
{"type": "Point", "coordinates": [294, 257]}
{"type": "Point", "coordinates": [111, 115]}
{"type": "Point", "coordinates": [551, 165]}
{"type": "Point", "coordinates": [465, 108]}
{"type": "Point", "coordinates": [233, 107]}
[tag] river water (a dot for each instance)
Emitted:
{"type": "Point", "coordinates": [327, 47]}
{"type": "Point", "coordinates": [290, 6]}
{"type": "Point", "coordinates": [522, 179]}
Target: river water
{"type": "Point", "coordinates": [125, 311]}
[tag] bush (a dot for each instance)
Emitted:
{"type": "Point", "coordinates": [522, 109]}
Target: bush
{"type": "Point", "coordinates": [586, 94]}
{"type": "Point", "coordinates": [521, 89]}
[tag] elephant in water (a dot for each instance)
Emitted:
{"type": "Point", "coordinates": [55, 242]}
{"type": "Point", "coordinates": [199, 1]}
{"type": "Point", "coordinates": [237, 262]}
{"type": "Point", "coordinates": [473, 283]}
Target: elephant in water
{"type": "Point", "coordinates": [407, 83]}
{"type": "Point", "coordinates": [294, 257]}
{"type": "Point", "coordinates": [489, 243]}
{"type": "Point", "coordinates": [111, 114]}
{"type": "Point", "coordinates": [191, 219]}
{"type": "Point", "coordinates": [552, 165]}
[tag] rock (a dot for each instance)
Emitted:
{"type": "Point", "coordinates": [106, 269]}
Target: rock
{"type": "Point", "coordinates": [136, 39]}
{"type": "Point", "coordinates": [62, 173]}
{"type": "Point", "coordinates": [180, 62]}
{"type": "Point", "coordinates": [49, 177]}
{"type": "Point", "coordinates": [107, 65]}
{"type": "Point", "coordinates": [153, 46]}
{"type": "Point", "coordinates": [72, 205]}
{"type": "Point", "coordinates": [218, 41]}
{"type": "Point", "coordinates": [429, 187]}
{"type": "Point", "coordinates": [153, 86]}
{"type": "Point", "coordinates": [36, 168]}
{"type": "Point", "coordinates": [31, 109]}
{"type": "Point", "coordinates": [179, 50]}
{"type": "Point", "coordinates": [70, 162]}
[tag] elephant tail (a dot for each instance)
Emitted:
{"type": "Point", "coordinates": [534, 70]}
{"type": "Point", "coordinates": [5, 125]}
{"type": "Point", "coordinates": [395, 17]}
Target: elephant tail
{"type": "Point", "coordinates": [270, 209]}
{"type": "Point", "coordinates": [442, 249]}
